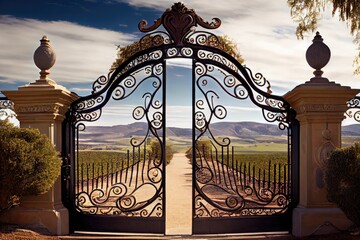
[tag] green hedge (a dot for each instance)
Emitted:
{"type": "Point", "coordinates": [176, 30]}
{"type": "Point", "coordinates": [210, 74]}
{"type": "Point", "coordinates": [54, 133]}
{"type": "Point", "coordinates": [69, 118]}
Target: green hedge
{"type": "Point", "coordinates": [342, 178]}
{"type": "Point", "coordinates": [29, 164]}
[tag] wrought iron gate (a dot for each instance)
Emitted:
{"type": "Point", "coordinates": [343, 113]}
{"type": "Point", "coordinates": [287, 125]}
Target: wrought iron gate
{"type": "Point", "coordinates": [128, 194]}
{"type": "Point", "coordinates": [232, 196]}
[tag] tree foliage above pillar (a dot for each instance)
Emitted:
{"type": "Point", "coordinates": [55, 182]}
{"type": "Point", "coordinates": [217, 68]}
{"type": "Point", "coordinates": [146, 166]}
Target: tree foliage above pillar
{"type": "Point", "coordinates": [225, 43]}
{"type": "Point", "coordinates": [307, 14]}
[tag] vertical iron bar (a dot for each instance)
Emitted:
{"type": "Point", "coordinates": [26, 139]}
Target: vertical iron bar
{"type": "Point", "coordinates": [205, 158]}
{"type": "Point", "coordinates": [286, 183]}
{"type": "Point", "coordinates": [232, 157]}
{"type": "Point", "coordinates": [127, 167]}
{"type": "Point", "coordinates": [102, 174]}
{"type": "Point", "coordinates": [112, 172]}
{"type": "Point", "coordinates": [249, 173]}
{"type": "Point", "coordinates": [218, 164]}
{"type": "Point", "coordinates": [82, 177]}
{"type": "Point", "coordinates": [77, 159]}
{"type": "Point", "coordinates": [87, 176]}
{"type": "Point", "coordinates": [93, 176]}
{"type": "Point", "coordinates": [98, 175]}
{"type": "Point", "coordinates": [264, 178]}
{"type": "Point", "coordinates": [213, 164]}
{"type": "Point", "coordinates": [222, 165]}
{"type": "Point", "coordinates": [279, 178]}
{"type": "Point", "coordinates": [163, 182]}
{"type": "Point", "coordinates": [193, 110]}
{"type": "Point", "coordinates": [137, 166]}
{"type": "Point", "coordinates": [269, 171]}
{"type": "Point", "coordinates": [122, 169]}
{"type": "Point", "coordinates": [237, 173]}
{"type": "Point", "coordinates": [200, 155]}
{"type": "Point", "coordinates": [245, 174]}
{"type": "Point", "coordinates": [107, 174]}
{"type": "Point", "coordinates": [253, 177]}
{"type": "Point", "coordinates": [149, 161]}
{"type": "Point", "coordinates": [227, 166]}
{"type": "Point", "coordinates": [116, 171]}
{"type": "Point", "coordinates": [259, 179]}
{"type": "Point", "coordinates": [274, 177]}
{"type": "Point", "coordinates": [132, 166]}
{"type": "Point", "coordinates": [234, 171]}
{"type": "Point", "coordinates": [143, 165]}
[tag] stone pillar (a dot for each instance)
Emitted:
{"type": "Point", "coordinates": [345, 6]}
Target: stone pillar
{"type": "Point", "coordinates": [320, 106]}
{"type": "Point", "coordinates": [42, 104]}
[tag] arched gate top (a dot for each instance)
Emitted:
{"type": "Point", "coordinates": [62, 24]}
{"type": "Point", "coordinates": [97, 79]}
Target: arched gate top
{"type": "Point", "coordinates": [181, 39]}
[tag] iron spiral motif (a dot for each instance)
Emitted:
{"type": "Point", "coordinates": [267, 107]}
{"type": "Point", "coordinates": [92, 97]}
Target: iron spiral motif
{"type": "Point", "coordinates": [133, 185]}
{"type": "Point", "coordinates": [354, 109]}
{"type": "Point", "coordinates": [6, 104]}
{"type": "Point", "coordinates": [222, 188]}
{"type": "Point", "coordinates": [6, 108]}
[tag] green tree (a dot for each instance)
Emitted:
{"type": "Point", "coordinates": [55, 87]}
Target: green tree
{"type": "Point", "coordinates": [307, 14]}
{"type": "Point", "coordinates": [29, 164]}
{"type": "Point", "coordinates": [155, 150]}
{"type": "Point", "coordinates": [203, 148]}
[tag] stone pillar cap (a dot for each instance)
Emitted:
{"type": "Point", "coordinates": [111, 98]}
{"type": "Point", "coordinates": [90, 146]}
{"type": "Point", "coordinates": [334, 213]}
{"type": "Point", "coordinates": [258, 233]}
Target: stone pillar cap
{"type": "Point", "coordinates": [44, 58]}
{"type": "Point", "coordinates": [317, 56]}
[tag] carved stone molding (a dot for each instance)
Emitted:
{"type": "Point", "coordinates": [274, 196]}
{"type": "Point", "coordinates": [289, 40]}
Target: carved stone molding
{"type": "Point", "coordinates": [318, 108]}
{"type": "Point", "coordinates": [44, 108]}
{"type": "Point", "coordinates": [323, 154]}
{"type": "Point", "coordinates": [325, 149]}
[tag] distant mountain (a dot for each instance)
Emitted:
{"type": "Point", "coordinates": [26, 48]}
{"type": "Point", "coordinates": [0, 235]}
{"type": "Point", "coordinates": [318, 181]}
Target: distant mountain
{"type": "Point", "coordinates": [229, 129]}
{"type": "Point", "coordinates": [249, 130]}
{"type": "Point", "coordinates": [245, 129]}
{"type": "Point", "coordinates": [179, 132]}
{"type": "Point", "coordinates": [351, 130]}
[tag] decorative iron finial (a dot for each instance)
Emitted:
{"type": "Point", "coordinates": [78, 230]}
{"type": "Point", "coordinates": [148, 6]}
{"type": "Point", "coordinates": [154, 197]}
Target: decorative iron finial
{"type": "Point", "coordinates": [178, 22]}
{"type": "Point", "coordinates": [317, 56]}
{"type": "Point", "coordinates": [44, 58]}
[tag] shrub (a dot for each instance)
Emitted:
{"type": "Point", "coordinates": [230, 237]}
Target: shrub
{"type": "Point", "coordinates": [203, 147]}
{"type": "Point", "coordinates": [342, 178]}
{"type": "Point", "coordinates": [155, 150]}
{"type": "Point", "coordinates": [29, 164]}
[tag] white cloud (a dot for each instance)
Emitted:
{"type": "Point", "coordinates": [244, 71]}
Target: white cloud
{"type": "Point", "coordinates": [265, 34]}
{"type": "Point", "coordinates": [83, 53]}
{"type": "Point", "coordinates": [263, 30]}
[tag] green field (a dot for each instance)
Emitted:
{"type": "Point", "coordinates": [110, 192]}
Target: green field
{"type": "Point", "coordinates": [92, 164]}
{"type": "Point", "coordinates": [265, 165]}
{"type": "Point", "coordinates": [260, 165]}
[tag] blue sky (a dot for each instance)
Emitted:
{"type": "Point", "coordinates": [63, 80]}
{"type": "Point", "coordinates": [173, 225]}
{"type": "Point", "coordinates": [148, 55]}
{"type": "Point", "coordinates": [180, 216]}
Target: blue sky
{"type": "Point", "coordinates": [84, 35]}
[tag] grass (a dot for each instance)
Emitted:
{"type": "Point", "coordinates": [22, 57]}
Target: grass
{"type": "Point", "coordinates": [100, 162]}
{"type": "Point", "coordinates": [264, 165]}
{"type": "Point", "coordinates": [267, 165]}
{"type": "Point", "coordinates": [252, 157]}
{"type": "Point", "coordinates": [92, 164]}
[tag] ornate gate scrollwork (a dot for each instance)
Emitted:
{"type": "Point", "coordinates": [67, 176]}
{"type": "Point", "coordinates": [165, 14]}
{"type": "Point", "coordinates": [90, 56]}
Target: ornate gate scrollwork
{"type": "Point", "coordinates": [128, 194]}
{"type": "Point", "coordinates": [130, 187]}
{"type": "Point", "coordinates": [222, 190]}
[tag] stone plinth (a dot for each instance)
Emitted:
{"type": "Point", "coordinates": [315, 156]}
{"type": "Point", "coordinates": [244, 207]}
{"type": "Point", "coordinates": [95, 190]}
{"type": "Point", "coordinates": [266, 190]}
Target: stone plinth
{"type": "Point", "coordinates": [42, 105]}
{"type": "Point", "coordinates": [320, 110]}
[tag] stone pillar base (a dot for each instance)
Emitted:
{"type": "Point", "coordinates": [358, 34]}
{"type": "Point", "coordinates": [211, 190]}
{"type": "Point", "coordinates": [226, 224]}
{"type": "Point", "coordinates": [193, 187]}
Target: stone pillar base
{"type": "Point", "coordinates": [318, 221]}
{"type": "Point", "coordinates": [56, 221]}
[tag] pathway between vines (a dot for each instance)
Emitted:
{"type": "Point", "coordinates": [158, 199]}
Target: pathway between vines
{"type": "Point", "coordinates": [178, 196]}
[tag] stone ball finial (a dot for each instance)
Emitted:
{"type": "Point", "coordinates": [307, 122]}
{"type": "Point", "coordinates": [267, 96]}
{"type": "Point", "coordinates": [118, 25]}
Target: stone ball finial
{"type": "Point", "coordinates": [44, 58]}
{"type": "Point", "coordinates": [317, 56]}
